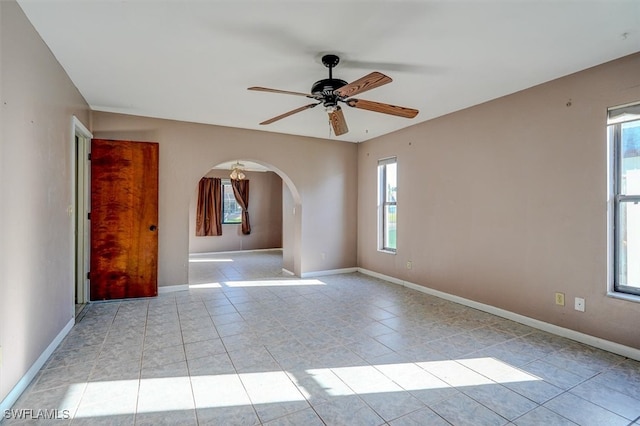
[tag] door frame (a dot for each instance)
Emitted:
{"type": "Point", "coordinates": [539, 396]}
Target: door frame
{"type": "Point", "coordinates": [79, 209]}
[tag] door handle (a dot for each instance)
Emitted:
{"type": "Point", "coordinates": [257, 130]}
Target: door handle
{"type": "Point", "coordinates": [153, 228]}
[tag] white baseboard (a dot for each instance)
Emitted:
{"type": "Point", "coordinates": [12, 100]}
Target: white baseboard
{"type": "Point", "coordinates": [328, 272]}
{"type": "Point", "coordinates": [172, 288]}
{"type": "Point", "coordinates": [587, 339]}
{"type": "Point", "coordinates": [381, 276]}
{"type": "Point", "coordinates": [236, 251]}
{"type": "Point", "coordinates": [20, 387]}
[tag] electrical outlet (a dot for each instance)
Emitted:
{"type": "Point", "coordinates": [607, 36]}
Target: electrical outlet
{"type": "Point", "coordinates": [560, 299]}
{"type": "Point", "coordinates": [409, 265]}
{"type": "Point", "coordinates": [579, 304]}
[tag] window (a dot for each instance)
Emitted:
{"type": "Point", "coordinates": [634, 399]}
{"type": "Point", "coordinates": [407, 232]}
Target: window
{"type": "Point", "coordinates": [624, 144]}
{"type": "Point", "coordinates": [231, 211]}
{"type": "Point", "coordinates": [387, 208]}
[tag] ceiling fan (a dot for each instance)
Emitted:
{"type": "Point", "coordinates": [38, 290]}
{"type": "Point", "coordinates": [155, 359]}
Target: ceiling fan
{"type": "Point", "coordinates": [330, 91]}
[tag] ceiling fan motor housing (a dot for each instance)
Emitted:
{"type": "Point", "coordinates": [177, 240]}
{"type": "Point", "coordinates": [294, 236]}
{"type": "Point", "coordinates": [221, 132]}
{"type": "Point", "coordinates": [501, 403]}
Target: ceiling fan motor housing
{"type": "Point", "coordinates": [324, 89]}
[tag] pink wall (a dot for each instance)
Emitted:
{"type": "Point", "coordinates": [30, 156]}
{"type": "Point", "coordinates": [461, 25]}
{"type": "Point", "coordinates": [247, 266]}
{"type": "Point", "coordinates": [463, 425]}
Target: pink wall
{"type": "Point", "coordinates": [320, 173]}
{"type": "Point", "coordinates": [36, 232]}
{"type": "Point", "coordinates": [505, 203]}
{"type": "Point", "coordinates": [265, 216]}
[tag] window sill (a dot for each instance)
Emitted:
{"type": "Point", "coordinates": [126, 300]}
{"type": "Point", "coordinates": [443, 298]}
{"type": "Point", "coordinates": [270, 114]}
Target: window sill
{"type": "Point", "coordinates": [386, 251]}
{"type": "Point", "coordinates": [624, 296]}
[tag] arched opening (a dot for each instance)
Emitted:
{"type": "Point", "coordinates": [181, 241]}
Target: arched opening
{"type": "Point", "coordinates": [274, 212]}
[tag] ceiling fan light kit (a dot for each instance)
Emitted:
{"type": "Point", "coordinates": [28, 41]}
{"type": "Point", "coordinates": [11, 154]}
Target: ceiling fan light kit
{"type": "Point", "coordinates": [330, 91]}
{"type": "Point", "coordinates": [237, 171]}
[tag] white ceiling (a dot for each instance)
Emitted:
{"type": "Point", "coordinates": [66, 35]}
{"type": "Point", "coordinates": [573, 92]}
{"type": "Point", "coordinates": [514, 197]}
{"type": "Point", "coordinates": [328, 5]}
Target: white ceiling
{"type": "Point", "coordinates": [193, 60]}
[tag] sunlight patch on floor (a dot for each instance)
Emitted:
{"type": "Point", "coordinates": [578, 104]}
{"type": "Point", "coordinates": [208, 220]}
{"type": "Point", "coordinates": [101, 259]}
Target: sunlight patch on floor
{"type": "Point", "coordinates": [108, 398]}
{"type": "Point", "coordinates": [207, 259]}
{"type": "Point", "coordinates": [417, 376]}
{"type": "Point", "coordinates": [120, 397]}
{"type": "Point", "coordinates": [272, 283]}
{"type": "Point", "coordinates": [257, 283]}
{"type": "Point", "coordinates": [205, 285]}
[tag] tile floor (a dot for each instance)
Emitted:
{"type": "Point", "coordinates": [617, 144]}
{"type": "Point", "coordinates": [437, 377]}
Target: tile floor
{"type": "Point", "coordinates": [247, 345]}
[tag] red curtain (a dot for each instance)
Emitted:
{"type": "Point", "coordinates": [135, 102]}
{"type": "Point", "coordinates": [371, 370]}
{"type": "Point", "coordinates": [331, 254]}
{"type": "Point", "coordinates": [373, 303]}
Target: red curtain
{"type": "Point", "coordinates": [241, 192]}
{"type": "Point", "coordinates": [209, 208]}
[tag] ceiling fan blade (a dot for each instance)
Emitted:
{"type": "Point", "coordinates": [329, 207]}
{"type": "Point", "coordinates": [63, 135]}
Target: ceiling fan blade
{"type": "Point", "coordinates": [286, 92]}
{"type": "Point", "coordinates": [286, 114]}
{"type": "Point", "coordinates": [368, 82]}
{"type": "Point", "coordinates": [338, 122]}
{"type": "Point", "coordinates": [383, 108]}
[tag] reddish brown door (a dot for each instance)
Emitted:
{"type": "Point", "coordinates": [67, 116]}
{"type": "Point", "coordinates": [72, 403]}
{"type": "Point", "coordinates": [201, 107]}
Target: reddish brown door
{"type": "Point", "coordinates": [124, 219]}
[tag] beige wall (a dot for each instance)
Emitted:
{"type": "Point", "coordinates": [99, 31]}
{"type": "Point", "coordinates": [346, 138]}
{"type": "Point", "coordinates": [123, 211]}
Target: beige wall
{"type": "Point", "coordinates": [505, 203]}
{"type": "Point", "coordinates": [265, 217]}
{"type": "Point", "coordinates": [36, 232]}
{"type": "Point", "coordinates": [288, 230]}
{"type": "Point", "coordinates": [319, 172]}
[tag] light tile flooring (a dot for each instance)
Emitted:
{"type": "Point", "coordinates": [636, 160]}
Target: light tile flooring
{"type": "Point", "coordinates": [251, 346]}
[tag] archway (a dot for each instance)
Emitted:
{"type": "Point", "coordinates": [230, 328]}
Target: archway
{"type": "Point", "coordinates": [264, 178]}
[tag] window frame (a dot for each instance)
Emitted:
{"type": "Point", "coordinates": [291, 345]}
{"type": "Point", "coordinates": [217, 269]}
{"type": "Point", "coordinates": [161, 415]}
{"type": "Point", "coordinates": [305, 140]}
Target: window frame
{"type": "Point", "coordinates": [223, 184]}
{"type": "Point", "coordinates": [616, 200]}
{"type": "Point", "coordinates": [383, 203]}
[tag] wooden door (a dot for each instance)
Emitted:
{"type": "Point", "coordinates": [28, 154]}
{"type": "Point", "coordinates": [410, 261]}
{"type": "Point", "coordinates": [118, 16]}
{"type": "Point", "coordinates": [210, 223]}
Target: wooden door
{"type": "Point", "coordinates": [124, 219]}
